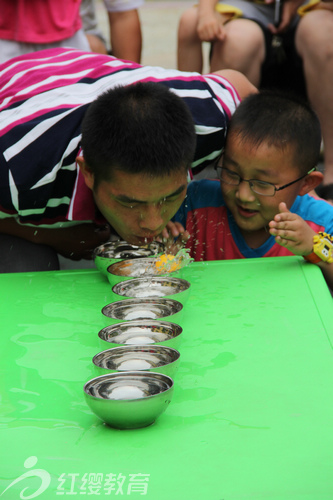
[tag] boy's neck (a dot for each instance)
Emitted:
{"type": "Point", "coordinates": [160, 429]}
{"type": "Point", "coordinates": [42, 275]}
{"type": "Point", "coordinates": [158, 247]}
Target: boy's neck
{"type": "Point", "coordinates": [254, 239]}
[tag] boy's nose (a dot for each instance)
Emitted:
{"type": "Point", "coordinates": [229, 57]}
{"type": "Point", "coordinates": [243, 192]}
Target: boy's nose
{"type": "Point", "coordinates": [244, 192]}
{"type": "Point", "coordinates": [151, 218]}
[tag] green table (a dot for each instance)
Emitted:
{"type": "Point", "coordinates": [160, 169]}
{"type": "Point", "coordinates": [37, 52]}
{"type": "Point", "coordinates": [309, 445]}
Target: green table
{"type": "Point", "coordinates": [252, 412]}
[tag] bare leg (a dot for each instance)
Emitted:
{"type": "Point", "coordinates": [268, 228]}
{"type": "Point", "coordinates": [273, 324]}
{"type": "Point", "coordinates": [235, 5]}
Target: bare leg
{"type": "Point", "coordinates": [96, 44]}
{"type": "Point", "coordinates": [314, 43]}
{"type": "Point", "coordinates": [243, 49]}
{"type": "Point", "coordinates": [189, 51]}
{"type": "Point", "coordinates": [125, 35]}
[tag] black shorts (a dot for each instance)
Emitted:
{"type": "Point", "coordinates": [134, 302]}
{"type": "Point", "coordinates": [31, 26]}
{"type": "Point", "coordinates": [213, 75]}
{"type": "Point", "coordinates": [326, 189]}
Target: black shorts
{"type": "Point", "coordinates": [282, 68]}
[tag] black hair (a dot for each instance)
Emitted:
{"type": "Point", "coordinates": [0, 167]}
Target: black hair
{"type": "Point", "coordinates": [140, 128]}
{"type": "Point", "coordinates": [280, 120]}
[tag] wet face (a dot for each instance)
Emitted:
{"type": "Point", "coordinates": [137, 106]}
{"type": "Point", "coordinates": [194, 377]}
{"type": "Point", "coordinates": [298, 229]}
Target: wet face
{"type": "Point", "coordinates": [252, 212]}
{"type": "Point", "coordinates": [138, 207]}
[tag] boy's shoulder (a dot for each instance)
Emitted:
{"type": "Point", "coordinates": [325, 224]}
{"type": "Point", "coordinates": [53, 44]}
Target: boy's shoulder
{"type": "Point", "coordinates": [205, 192]}
{"type": "Point", "coordinates": [314, 209]}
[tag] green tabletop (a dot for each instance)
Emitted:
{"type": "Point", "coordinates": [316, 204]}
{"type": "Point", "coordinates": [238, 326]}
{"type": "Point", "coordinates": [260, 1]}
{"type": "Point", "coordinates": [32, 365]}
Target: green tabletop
{"type": "Point", "coordinates": [252, 411]}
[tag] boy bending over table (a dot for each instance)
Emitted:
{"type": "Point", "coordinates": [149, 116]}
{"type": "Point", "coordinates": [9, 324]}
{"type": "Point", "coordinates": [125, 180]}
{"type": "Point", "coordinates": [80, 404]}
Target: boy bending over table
{"type": "Point", "coordinates": [92, 145]}
{"type": "Point", "coordinates": [262, 206]}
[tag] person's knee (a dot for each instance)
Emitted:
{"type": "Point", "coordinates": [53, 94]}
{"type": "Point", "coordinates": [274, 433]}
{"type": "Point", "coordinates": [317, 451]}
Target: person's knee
{"type": "Point", "coordinates": [244, 42]}
{"type": "Point", "coordinates": [246, 35]}
{"type": "Point", "coordinates": [187, 26]}
{"type": "Point", "coordinates": [313, 34]}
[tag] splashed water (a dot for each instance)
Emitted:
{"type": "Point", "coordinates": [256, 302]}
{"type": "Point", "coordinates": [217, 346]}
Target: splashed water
{"type": "Point", "coordinates": [167, 263]}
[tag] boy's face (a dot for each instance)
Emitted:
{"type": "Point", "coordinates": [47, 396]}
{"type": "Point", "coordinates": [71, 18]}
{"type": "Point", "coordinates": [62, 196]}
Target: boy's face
{"type": "Point", "coordinates": [138, 207]}
{"type": "Point", "coordinates": [252, 212]}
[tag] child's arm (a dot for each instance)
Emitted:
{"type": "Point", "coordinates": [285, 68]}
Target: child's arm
{"type": "Point", "coordinates": [292, 232]}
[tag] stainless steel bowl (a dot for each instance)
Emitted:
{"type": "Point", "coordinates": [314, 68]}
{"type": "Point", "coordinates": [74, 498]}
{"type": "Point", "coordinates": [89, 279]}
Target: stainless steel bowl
{"type": "Point", "coordinates": [153, 287]}
{"type": "Point", "coordinates": [136, 268]}
{"type": "Point", "coordinates": [141, 333]}
{"type": "Point", "coordinates": [138, 309]}
{"type": "Point", "coordinates": [116, 251]}
{"type": "Point", "coordinates": [153, 358]}
{"type": "Point", "coordinates": [129, 400]}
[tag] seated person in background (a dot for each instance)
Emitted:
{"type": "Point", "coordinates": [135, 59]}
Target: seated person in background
{"type": "Point", "coordinates": [125, 28]}
{"type": "Point", "coordinates": [261, 206]}
{"type": "Point", "coordinates": [243, 37]}
{"type": "Point", "coordinates": [32, 25]}
{"type": "Point", "coordinates": [58, 195]}
{"type": "Point", "coordinates": [288, 56]}
{"type": "Point", "coordinates": [94, 35]}
{"type": "Point", "coordinates": [314, 43]}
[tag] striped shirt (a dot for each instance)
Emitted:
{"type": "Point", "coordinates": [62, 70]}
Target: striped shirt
{"type": "Point", "coordinates": [43, 98]}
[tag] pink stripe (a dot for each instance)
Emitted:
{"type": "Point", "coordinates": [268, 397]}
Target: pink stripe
{"type": "Point", "coordinates": [230, 88]}
{"type": "Point", "coordinates": [31, 117]}
{"type": "Point", "coordinates": [94, 66]}
{"type": "Point", "coordinates": [82, 206]}
{"type": "Point", "coordinates": [219, 80]}
{"type": "Point", "coordinates": [226, 84]}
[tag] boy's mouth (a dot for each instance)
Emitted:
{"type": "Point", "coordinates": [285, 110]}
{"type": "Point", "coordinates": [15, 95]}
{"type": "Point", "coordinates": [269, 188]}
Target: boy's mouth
{"type": "Point", "coordinates": [246, 212]}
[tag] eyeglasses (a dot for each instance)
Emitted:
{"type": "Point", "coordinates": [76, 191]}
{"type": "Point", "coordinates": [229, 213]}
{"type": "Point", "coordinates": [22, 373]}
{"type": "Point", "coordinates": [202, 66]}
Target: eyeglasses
{"type": "Point", "coordinates": [259, 187]}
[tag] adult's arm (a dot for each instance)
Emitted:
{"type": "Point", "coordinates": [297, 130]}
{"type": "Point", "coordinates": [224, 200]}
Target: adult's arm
{"type": "Point", "coordinates": [239, 81]}
{"type": "Point", "coordinates": [75, 242]}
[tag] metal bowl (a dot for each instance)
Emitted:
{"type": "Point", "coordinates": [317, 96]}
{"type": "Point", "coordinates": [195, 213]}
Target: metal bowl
{"type": "Point", "coordinates": [136, 309]}
{"type": "Point", "coordinates": [136, 268]}
{"type": "Point", "coordinates": [116, 251]}
{"type": "Point", "coordinates": [153, 287]}
{"type": "Point", "coordinates": [153, 358]}
{"type": "Point", "coordinates": [129, 400]}
{"type": "Point", "coordinates": [141, 333]}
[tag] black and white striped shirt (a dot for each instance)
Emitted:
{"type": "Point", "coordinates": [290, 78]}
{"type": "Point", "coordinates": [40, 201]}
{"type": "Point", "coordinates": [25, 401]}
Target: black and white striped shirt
{"type": "Point", "coordinates": [43, 98]}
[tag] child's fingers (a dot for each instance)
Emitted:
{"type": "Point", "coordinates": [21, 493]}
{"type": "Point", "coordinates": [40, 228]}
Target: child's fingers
{"type": "Point", "coordinates": [285, 218]}
{"type": "Point", "coordinates": [172, 230]}
{"type": "Point", "coordinates": [176, 229]}
{"type": "Point", "coordinates": [283, 234]}
{"type": "Point", "coordinates": [184, 237]}
{"type": "Point", "coordinates": [283, 207]}
{"type": "Point", "coordinates": [282, 241]}
{"type": "Point", "coordinates": [164, 235]}
{"type": "Point", "coordinates": [283, 225]}
{"type": "Point", "coordinates": [173, 247]}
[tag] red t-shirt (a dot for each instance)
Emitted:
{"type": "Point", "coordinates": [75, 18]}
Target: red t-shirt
{"type": "Point", "coordinates": [39, 21]}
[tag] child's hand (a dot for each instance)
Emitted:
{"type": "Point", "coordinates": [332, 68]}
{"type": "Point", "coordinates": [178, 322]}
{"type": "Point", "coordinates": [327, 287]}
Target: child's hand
{"type": "Point", "coordinates": [292, 232]}
{"type": "Point", "coordinates": [170, 232]}
{"type": "Point", "coordinates": [210, 27]}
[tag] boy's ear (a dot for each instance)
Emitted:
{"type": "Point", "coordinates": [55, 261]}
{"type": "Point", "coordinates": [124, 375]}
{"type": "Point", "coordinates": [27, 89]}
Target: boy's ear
{"type": "Point", "coordinates": [310, 182]}
{"type": "Point", "coordinates": [86, 172]}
